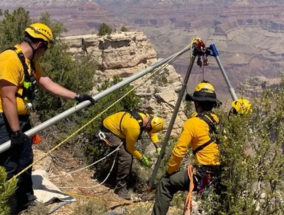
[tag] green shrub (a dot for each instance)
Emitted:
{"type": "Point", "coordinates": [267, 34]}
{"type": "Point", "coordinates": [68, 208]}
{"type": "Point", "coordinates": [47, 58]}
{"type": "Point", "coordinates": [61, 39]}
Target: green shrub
{"type": "Point", "coordinates": [252, 159]}
{"type": "Point", "coordinates": [123, 29]}
{"type": "Point", "coordinates": [7, 188]}
{"type": "Point", "coordinates": [104, 29]}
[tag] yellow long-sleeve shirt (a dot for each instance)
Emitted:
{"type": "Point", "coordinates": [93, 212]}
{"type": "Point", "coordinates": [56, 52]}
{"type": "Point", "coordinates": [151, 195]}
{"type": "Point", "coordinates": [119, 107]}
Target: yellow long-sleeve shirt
{"type": "Point", "coordinates": [195, 133]}
{"type": "Point", "coordinates": [123, 125]}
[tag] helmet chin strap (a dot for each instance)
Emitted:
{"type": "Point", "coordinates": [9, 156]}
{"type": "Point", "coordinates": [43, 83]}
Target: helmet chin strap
{"type": "Point", "coordinates": [33, 49]}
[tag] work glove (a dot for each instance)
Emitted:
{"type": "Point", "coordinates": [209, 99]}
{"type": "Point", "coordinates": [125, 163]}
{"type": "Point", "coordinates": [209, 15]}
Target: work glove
{"type": "Point", "coordinates": [158, 150]}
{"type": "Point", "coordinates": [18, 138]}
{"type": "Point", "coordinates": [82, 98]}
{"type": "Point", "coordinates": [144, 161]}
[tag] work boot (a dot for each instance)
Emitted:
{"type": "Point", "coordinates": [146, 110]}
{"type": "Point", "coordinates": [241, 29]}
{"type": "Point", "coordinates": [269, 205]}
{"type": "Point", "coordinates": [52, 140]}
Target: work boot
{"type": "Point", "coordinates": [123, 193]}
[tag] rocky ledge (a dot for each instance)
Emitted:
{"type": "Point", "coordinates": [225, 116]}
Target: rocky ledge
{"type": "Point", "coordinates": [126, 53]}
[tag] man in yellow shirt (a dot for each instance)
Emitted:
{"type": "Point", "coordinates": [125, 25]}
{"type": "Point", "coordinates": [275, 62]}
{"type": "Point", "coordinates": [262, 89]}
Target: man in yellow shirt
{"type": "Point", "coordinates": [126, 127]}
{"type": "Point", "coordinates": [197, 135]}
{"type": "Point", "coordinates": [19, 71]}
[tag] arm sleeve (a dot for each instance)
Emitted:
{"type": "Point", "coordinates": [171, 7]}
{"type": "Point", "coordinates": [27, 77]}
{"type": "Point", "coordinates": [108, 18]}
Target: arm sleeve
{"type": "Point", "coordinates": [132, 134]}
{"type": "Point", "coordinates": [181, 147]}
{"type": "Point", "coordinates": [154, 137]}
{"type": "Point", "coordinates": [10, 71]}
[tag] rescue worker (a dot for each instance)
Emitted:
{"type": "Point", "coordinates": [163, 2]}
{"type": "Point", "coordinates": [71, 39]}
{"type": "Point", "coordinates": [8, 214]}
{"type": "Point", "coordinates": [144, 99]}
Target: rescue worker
{"type": "Point", "coordinates": [126, 127]}
{"type": "Point", "coordinates": [197, 135]}
{"type": "Point", "coordinates": [19, 71]}
{"type": "Point", "coordinates": [240, 106]}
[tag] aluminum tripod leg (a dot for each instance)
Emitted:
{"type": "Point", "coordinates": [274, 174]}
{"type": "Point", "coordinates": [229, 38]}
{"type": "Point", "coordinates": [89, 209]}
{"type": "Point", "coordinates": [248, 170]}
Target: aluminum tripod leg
{"type": "Point", "coordinates": [216, 55]}
{"type": "Point", "coordinates": [170, 127]}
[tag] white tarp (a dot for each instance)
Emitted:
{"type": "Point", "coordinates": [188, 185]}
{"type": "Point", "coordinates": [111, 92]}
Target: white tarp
{"type": "Point", "coordinates": [45, 191]}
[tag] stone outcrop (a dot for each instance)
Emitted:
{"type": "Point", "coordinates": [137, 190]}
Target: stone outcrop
{"type": "Point", "coordinates": [126, 53]}
{"type": "Point", "coordinates": [253, 87]}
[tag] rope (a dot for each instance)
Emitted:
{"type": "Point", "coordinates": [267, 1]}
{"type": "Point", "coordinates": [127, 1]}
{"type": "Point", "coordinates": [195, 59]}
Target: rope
{"type": "Point", "coordinates": [86, 167]}
{"type": "Point", "coordinates": [98, 115]}
{"type": "Point", "coordinates": [100, 198]}
{"type": "Point", "coordinates": [58, 206]}
{"type": "Point", "coordinates": [188, 202]}
{"type": "Point", "coordinates": [113, 163]}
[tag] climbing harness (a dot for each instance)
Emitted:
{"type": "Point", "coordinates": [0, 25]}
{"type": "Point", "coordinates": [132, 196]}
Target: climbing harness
{"type": "Point", "coordinates": [211, 122]}
{"type": "Point", "coordinates": [201, 177]}
{"type": "Point", "coordinates": [102, 137]}
{"type": "Point", "coordinates": [29, 84]}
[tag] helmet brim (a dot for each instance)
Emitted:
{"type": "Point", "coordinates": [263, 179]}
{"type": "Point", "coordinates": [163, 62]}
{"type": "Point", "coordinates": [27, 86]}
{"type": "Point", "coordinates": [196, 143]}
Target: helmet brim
{"type": "Point", "coordinates": [189, 97]}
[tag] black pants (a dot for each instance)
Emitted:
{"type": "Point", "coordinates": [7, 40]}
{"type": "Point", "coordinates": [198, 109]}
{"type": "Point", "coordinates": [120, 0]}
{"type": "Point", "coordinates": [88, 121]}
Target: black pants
{"type": "Point", "coordinates": [124, 160]}
{"type": "Point", "coordinates": [16, 159]}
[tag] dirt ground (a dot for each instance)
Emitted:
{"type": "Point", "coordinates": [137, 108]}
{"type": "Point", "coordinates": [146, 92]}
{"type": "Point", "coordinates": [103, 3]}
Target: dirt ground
{"type": "Point", "coordinates": [84, 187]}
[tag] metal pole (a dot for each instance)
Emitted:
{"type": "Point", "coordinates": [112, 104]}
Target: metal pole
{"type": "Point", "coordinates": [5, 146]}
{"type": "Point", "coordinates": [216, 55]}
{"type": "Point", "coordinates": [170, 127]}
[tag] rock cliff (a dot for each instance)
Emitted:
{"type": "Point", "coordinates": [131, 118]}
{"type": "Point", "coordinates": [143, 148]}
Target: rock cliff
{"type": "Point", "coordinates": [126, 53]}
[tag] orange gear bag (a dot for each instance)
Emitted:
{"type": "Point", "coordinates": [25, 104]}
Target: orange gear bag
{"type": "Point", "coordinates": [36, 139]}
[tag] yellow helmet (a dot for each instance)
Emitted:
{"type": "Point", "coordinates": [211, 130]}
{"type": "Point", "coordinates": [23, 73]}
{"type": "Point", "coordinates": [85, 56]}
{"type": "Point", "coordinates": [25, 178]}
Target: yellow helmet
{"type": "Point", "coordinates": [242, 106]}
{"type": "Point", "coordinates": [157, 124]}
{"type": "Point", "coordinates": [40, 31]}
{"type": "Point", "coordinates": [204, 91]}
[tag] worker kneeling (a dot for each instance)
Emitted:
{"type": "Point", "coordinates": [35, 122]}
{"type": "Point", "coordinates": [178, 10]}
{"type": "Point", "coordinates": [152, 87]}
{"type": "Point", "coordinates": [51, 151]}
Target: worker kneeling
{"type": "Point", "coordinates": [197, 133]}
{"type": "Point", "coordinates": [124, 129]}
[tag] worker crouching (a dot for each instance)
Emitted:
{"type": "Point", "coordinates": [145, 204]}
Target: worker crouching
{"type": "Point", "coordinates": [123, 129]}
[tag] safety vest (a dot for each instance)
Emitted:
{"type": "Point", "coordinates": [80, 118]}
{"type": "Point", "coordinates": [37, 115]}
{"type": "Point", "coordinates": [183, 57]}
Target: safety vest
{"type": "Point", "coordinates": [29, 80]}
{"type": "Point", "coordinates": [211, 122]}
{"type": "Point", "coordinates": [135, 114]}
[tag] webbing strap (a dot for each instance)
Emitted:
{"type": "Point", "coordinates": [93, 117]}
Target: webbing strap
{"type": "Point", "coordinates": [23, 61]}
{"type": "Point", "coordinates": [28, 77]}
{"type": "Point", "coordinates": [211, 122]}
{"type": "Point", "coordinates": [135, 115]}
{"type": "Point", "coordinates": [121, 122]}
{"type": "Point", "coordinates": [202, 146]}
{"type": "Point", "coordinates": [188, 201]}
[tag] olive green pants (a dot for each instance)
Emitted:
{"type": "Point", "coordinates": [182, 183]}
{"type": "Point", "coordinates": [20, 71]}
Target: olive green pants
{"type": "Point", "coordinates": [124, 161]}
{"type": "Point", "coordinates": [168, 186]}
